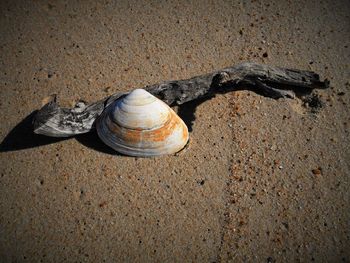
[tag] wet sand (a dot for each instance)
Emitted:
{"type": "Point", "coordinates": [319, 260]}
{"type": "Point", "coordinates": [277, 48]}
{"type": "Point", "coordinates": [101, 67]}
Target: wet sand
{"type": "Point", "coordinates": [263, 180]}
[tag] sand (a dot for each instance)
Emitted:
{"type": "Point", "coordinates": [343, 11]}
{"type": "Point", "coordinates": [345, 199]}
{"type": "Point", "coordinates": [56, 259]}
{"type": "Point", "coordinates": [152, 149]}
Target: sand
{"type": "Point", "coordinates": [263, 180]}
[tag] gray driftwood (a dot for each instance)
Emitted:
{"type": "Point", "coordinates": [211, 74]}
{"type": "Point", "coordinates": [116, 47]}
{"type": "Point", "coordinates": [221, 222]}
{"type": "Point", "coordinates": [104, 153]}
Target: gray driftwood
{"type": "Point", "coordinates": [274, 82]}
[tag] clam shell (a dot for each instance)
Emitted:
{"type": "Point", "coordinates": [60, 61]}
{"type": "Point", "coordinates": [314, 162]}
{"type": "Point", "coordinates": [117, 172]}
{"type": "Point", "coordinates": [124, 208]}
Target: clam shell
{"type": "Point", "coordinates": [142, 125]}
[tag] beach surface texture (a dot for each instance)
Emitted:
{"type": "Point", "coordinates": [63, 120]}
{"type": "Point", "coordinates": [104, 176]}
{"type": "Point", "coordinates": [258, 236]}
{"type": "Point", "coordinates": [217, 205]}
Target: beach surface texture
{"type": "Point", "coordinates": [262, 179]}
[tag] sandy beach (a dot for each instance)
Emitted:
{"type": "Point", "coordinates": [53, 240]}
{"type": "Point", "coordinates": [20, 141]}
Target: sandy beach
{"type": "Point", "coordinates": [262, 180]}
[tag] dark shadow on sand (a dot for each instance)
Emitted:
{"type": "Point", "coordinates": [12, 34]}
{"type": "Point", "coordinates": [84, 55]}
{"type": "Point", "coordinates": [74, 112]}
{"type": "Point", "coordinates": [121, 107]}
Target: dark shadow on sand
{"type": "Point", "coordinates": [187, 111]}
{"type": "Point", "coordinates": [92, 141]}
{"type": "Point", "coordinates": [22, 137]}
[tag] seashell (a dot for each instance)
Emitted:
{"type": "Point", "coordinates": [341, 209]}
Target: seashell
{"type": "Point", "coordinates": [142, 125]}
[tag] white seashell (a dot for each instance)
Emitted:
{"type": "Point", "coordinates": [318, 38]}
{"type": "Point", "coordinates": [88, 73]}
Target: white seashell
{"type": "Point", "coordinates": [142, 125]}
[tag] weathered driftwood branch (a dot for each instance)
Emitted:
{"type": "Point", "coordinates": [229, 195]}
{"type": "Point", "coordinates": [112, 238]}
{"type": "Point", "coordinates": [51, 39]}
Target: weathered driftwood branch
{"type": "Point", "coordinates": [274, 82]}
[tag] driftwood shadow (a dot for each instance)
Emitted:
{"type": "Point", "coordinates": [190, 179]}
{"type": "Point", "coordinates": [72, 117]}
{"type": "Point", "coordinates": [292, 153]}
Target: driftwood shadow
{"type": "Point", "coordinates": [22, 137]}
{"type": "Point", "coordinates": [187, 111]}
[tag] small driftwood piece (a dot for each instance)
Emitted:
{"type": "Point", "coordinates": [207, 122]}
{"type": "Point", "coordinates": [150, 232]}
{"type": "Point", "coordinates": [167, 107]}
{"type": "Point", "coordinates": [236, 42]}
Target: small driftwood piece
{"type": "Point", "coordinates": [273, 82]}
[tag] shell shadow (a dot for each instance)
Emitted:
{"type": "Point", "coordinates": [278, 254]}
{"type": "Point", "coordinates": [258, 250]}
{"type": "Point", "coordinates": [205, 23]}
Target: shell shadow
{"type": "Point", "coordinates": [22, 137]}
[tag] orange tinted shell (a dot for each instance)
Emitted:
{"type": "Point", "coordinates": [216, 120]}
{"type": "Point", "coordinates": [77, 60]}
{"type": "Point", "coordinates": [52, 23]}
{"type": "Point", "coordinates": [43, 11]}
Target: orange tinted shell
{"type": "Point", "coordinates": [148, 128]}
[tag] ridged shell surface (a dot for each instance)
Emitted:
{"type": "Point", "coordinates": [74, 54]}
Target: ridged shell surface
{"type": "Point", "coordinates": [142, 125]}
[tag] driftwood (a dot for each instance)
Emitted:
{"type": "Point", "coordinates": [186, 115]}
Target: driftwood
{"type": "Point", "coordinates": [274, 82]}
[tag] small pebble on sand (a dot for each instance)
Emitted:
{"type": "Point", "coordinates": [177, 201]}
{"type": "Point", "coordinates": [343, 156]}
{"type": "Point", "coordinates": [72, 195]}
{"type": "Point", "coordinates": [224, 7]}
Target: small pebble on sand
{"type": "Point", "coordinates": [317, 171]}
